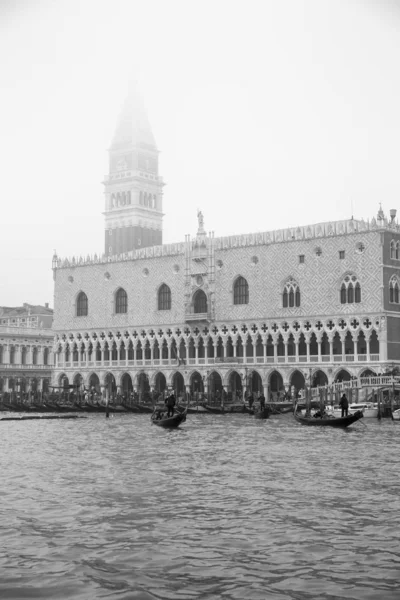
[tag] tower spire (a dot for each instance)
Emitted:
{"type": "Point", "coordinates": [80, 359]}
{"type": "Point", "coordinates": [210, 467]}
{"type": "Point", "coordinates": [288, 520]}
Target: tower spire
{"type": "Point", "coordinates": [133, 126]}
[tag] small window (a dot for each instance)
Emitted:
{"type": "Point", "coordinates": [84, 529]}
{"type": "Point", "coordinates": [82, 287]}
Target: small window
{"type": "Point", "coordinates": [341, 254]}
{"type": "Point", "coordinates": [301, 258]}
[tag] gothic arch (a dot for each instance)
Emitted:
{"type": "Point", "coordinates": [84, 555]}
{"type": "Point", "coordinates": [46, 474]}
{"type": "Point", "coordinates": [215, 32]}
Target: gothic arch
{"type": "Point", "coordinates": [62, 377]}
{"type": "Point", "coordinates": [341, 370]}
{"type": "Point", "coordinates": [200, 302]}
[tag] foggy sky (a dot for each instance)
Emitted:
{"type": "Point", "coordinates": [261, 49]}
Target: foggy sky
{"type": "Point", "coordinates": [267, 114]}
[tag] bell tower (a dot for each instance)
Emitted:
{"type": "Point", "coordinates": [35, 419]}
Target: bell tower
{"type": "Point", "coordinates": [133, 187]}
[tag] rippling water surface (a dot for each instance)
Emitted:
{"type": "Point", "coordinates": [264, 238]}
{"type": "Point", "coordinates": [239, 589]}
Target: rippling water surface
{"type": "Point", "coordinates": [224, 507]}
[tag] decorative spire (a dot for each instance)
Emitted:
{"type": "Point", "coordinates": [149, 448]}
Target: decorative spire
{"type": "Point", "coordinates": [381, 214]}
{"type": "Point", "coordinates": [133, 127]}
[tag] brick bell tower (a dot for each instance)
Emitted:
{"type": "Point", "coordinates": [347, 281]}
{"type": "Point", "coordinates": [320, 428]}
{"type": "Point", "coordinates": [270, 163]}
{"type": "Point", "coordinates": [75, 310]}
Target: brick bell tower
{"type": "Point", "coordinates": [133, 188]}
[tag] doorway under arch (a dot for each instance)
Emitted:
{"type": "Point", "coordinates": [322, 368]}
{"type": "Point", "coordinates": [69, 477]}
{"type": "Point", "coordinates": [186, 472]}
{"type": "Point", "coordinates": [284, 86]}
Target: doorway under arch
{"type": "Point", "coordinates": [254, 383]}
{"type": "Point", "coordinates": [94, 383]}
{"type": "Point", "coordinates": [215, 385]}
{"type": "Point", "coordinates": [143, 386]}
{"type": "Point", "coordinates": [276, 385]}
{"type": "Point", "coordinates": [196, 384]}
{"type": "Point", "coordinates": [235, 386]}
{"type": "Point", "coordinates": [178, 384]}
{"type": "Point", "coordinates": [319, 378]}
{"type": "Point", "coordinates": [126, 384]}
{"type": "Point", "coordinates": [297, 381]}
{"type": "Point", "coordinates": [343, 375]}
{"type": "Point", "coordinates": [111, 386]}
{"type": "Point", "coordinates": [160, 383]}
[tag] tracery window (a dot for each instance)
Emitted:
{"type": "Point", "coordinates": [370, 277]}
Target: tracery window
{"type": "Point", "coordinates": [350, 290]}
{"type": "Point", "coordinates": [395, 250]}
{"type": "Point", "coordinates": [164, 298]}
{"type": "Point", "coordinates": [291, 295]}
{"type": "Point", "coordinates": [121, 301]}
{"type": "Point", "coordinates": [82, 305]}
{"type": "Point", "coordinates": [241, 291]}
{"type": "Point", "coordinates": [394, 288]}
{"type": "Point", "coordinates": [200, 302]}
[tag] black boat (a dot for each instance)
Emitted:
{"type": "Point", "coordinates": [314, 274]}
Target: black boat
{"type": "Point", "coordinates": [220, 409]}
{"type": "Point", "coordinates": [327, 421]}
{"type": "Point", "coordinates": [169, 422]}
{"type": "Point", "coordinates": [262, 414]}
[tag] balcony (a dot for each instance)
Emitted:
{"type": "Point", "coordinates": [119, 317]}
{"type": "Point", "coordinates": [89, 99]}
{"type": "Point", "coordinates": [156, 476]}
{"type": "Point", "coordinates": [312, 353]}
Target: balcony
{"type": "Point", "coordinates": [158, 363]}
{"type": "Point", "coordinates": [197, 317]}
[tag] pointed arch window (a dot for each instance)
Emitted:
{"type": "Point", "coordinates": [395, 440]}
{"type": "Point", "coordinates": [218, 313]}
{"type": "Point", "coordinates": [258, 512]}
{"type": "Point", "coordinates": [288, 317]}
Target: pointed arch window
{"type": "Point", "coordinates": [200, 302]}
{"type": "Point", "coordinates": [350, 290]}
{"type": "Point", "coordinates": [291, 295]}
{"type": "Point", "coordinates": [392, 249]}
{"type": "Point", "coordinates": [121, 301]}
{"type": "Point", "coordinates": [241, 291]}
{"type": "Point", "coordinates": [82, 305]}
{"type": "Point", "coordinates": [397, 252]}
{"type": "Point", "coordinates": [164, 297]}
{"type": "Point", "coordinates": [394, 290]}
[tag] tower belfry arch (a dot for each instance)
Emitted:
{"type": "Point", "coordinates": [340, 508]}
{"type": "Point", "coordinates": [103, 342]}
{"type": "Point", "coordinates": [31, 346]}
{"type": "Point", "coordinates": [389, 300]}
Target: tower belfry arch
{"type": "Point", "coordinates": [133, 187]}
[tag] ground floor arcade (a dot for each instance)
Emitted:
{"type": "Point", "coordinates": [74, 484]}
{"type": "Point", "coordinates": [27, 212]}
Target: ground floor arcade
{"type": "Point", "coordinates": [213, 383]}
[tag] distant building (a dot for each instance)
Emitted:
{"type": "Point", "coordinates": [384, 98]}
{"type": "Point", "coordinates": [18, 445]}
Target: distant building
{"type": "Point", "coordinates": [263, 311]}
{"type": "Point", "coordinates": [26, 348]}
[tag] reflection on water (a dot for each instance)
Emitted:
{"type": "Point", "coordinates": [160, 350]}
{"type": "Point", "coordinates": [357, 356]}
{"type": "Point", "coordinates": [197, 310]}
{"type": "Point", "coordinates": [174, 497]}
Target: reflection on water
{"type": "Point", "coordinates": [224, 507]}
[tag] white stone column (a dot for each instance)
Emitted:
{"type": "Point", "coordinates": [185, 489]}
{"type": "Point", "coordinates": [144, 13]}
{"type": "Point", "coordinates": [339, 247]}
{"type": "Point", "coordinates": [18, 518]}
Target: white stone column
{"type": "Point", "coordinates": [307, 338]}
{"type": "Point", "coordinates": [368, 343]}
{"type": "Point", "coordinates": [330, 339]}
{"type": "Point", "coordinates": [354, 337]}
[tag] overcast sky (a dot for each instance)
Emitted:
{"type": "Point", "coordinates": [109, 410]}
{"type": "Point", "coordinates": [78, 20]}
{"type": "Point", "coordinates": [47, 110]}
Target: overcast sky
{"type": "Point", "coordinates": [268, 114]}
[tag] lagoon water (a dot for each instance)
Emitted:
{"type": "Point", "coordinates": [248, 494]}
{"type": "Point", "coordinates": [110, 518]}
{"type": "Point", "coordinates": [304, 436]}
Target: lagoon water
{"type": "Point", "coordinates": [224, 507]}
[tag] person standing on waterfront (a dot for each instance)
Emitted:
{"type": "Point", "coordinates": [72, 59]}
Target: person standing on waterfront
{"type": "Point", "coordinates": [344, 405]}
{"type": "Point", "coordinates": [262, 401]}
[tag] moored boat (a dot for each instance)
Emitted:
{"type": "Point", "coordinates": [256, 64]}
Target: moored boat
{"type": "Point", "coordinates": [396, 415]}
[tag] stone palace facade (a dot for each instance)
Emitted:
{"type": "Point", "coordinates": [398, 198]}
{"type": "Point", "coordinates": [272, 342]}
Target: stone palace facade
{"type": "Point", "coordinates": [260, 311]}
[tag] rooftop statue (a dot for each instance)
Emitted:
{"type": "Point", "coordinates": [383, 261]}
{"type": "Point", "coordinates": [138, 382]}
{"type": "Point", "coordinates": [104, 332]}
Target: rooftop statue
{"type": "Point", "coordinates": [200, 219]}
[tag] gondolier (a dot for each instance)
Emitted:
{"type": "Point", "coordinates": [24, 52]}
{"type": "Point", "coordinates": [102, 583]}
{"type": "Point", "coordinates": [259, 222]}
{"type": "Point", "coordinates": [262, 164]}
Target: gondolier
{"type": "Point", "coordinates": [344, 405]}
{"type": "Point", "coordinates": [170, 402]}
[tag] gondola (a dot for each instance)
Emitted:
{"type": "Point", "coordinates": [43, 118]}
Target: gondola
{"type": "Point", "coordinates": [170, 422]}
{"type": "Point", "coordinates": [227, 408]}
{"type": "Point", "coordinates": [262, 414]}
{"type": "Point", "coordinates": [329, 421]}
